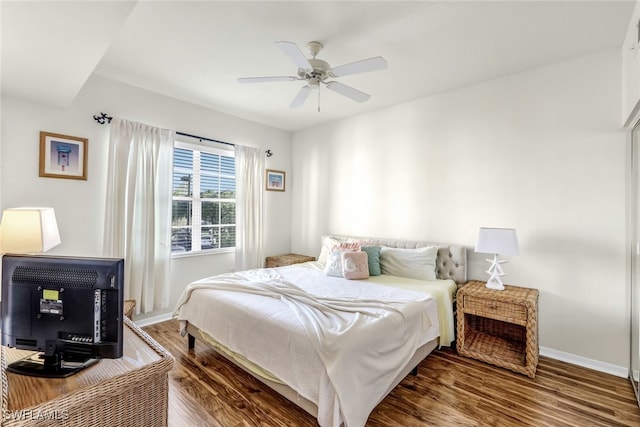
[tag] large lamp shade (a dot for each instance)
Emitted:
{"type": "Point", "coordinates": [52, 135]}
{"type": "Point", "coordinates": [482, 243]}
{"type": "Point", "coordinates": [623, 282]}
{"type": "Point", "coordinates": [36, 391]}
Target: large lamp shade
{"type": "Point", "coordinates": [28, 230]}
{"type": "Point", "coordinates": [502, 241]}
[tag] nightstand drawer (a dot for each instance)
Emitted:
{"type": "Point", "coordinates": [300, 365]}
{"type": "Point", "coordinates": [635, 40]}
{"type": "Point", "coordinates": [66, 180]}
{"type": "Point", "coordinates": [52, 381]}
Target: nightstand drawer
{"type": "Point", "coordinates": [495, 309]}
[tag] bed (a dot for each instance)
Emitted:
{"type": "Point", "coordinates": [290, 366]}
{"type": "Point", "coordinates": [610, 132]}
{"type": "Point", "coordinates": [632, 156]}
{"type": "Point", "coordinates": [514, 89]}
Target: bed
{"type": "Point", "coordinates": [333, 346]}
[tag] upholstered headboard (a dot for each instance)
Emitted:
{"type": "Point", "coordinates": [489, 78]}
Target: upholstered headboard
{"type": "Point", "coordinates": [451, 262]}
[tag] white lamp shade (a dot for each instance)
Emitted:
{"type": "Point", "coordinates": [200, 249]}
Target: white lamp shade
{"type": "Point", "coordinates": [502, 241]}
{"type": "Point", "coordinates": [28, 230]}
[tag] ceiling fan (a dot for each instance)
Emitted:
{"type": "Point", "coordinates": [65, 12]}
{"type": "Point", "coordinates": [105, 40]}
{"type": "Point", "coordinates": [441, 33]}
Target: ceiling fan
{"type": "Point", "coordinates": [316, 72]}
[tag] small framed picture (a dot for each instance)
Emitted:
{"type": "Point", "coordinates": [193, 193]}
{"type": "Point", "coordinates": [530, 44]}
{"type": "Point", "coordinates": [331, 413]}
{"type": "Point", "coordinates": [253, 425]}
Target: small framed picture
{"type": "Point", "coordinates": [275, 180]}
{"type": "Point", "coordinates": [63, 156]}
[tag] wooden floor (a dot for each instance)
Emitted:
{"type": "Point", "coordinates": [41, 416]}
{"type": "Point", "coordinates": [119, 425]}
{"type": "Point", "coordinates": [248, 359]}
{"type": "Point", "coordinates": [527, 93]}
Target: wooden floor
{"type": "Point", "coordinates": [449, 390]}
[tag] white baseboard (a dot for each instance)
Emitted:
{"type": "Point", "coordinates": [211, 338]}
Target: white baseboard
{"type": "Point", "coordinates": [153, 320]}
{"type": "Point", "coordinates": [607, 368]}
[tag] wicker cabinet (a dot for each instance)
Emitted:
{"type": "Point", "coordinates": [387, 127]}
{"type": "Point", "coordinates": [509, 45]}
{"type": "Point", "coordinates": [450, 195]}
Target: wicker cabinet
{"type": "Point", "coordinates": [286, 259]}
{"type": "Point", "coordinates": [499, 327]}
{"type": "Point", "coordinates": [130, 391]}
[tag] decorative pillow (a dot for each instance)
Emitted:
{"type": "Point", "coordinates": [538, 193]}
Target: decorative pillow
{"type": "Point", "coordinates": [334, 259]}
{"type": "Point", "coordinates": [373, 256]}
{"type": "Point", "coordinates": [333, 267]}
{"type": "Point", "coordinates": [355, 265]}
{"type": "Point", "coordinates": [327, 246]}
{"type": "Point", "coordinates": [419, 263]}
{"type": "Point", "coordinates": [349, 246]}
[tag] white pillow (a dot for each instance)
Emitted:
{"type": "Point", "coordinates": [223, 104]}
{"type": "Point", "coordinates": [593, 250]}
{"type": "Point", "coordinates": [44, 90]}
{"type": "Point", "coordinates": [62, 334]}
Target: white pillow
{"type": "Point", "coordinates": [333, 267]}
{"type": "Point", "coordinates": [327, 246]}
{"type": "Point", "coordinates": [419, 263]}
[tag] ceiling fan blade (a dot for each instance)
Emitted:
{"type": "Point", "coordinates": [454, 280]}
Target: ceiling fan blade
{"type": "Point", "coordinates": [363, 66]}
{"type": "Point", "coordinates": [295, 54]}
{"type": "Point", "coordinates": [348, 91]}
{"type": "Point", "coordinates": [267, 79]}
{"type": "Point", "coordinates": [301, 97]}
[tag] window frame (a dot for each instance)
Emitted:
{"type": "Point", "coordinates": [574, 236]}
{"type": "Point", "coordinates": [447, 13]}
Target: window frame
{"type": "Point", "coordinates": [220, 149]}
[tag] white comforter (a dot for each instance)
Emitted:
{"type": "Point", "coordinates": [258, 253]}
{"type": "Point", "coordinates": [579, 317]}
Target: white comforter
{"type": "Point", "coordinates": [337, 342]}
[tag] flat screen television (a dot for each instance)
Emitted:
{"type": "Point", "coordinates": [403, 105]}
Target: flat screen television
{"type": "Point", "coordinates": [68, 309]}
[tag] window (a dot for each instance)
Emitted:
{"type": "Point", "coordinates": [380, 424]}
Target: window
{"type": "Point", "coordinates": [204, 198]}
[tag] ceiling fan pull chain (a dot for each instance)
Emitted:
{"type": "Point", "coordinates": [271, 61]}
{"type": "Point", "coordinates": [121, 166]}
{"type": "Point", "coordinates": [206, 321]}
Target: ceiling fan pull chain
{"type": "Point", "coordinates": [318, 98]}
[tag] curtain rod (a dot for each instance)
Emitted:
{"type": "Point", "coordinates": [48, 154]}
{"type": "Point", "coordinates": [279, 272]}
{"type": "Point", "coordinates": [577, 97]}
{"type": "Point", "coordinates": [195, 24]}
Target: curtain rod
{"type": "Point", "coordinates": [104, 118]}
{"type": "Point", "coordinates": [202, 138]}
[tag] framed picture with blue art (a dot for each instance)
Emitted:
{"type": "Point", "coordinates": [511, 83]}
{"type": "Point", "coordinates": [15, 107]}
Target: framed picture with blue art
{"type": "Point", "coordinates": [63, 156]}
{"type": "Point", "coordinates": [275, 180]}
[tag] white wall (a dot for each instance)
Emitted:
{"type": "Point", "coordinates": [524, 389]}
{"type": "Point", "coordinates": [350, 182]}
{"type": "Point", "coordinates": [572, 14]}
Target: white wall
{"type": "Point", "coordinates": [80, 205]}
{"type": "Point", "coordinates": [541, 151]}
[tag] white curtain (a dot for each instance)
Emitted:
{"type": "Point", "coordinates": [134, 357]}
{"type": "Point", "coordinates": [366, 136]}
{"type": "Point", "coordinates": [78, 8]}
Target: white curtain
{"type": "Point", "coordinates": [138, 210]}
{"type": "Point", "coordinates": [249, 201]}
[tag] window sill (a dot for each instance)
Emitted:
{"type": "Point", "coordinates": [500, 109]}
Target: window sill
{"type": "Point", "coordinates": [202, 253]}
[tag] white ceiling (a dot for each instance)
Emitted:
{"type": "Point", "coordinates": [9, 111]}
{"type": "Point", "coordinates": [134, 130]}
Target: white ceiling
{"type": "Point", "coordinates": [194, 51]}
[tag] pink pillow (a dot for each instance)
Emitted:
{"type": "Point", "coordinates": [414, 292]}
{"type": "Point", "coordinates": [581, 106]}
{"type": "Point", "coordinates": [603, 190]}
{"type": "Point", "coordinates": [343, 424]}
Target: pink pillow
{"type": "Point", "coordinates": [348, 246]}
{"type": "Point", "coordinates": [355, 265]}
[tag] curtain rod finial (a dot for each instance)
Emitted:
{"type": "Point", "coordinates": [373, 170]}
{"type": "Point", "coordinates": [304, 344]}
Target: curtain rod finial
{"type": "Point", "coordinates": [102, 118]}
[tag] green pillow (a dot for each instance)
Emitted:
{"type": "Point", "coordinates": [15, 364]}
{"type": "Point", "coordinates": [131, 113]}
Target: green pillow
{"type": "Point", "coordinates": [373, 253]}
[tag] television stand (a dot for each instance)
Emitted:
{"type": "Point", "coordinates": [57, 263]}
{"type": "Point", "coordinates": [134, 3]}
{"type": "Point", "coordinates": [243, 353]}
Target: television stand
{"type": "Point", "coordinates": [40, 365]}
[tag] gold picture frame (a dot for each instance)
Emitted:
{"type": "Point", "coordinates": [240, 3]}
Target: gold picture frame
{"type": "Point", "coordinates": [275, 180]}
{"type": "Point", "coordinates": [63, 156]}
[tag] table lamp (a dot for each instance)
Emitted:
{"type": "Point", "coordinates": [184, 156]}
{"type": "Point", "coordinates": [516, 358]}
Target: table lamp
{"type": "Point", "coordinates": [28, 230]}
{"type": "Point", "coordinates": [496, 241]}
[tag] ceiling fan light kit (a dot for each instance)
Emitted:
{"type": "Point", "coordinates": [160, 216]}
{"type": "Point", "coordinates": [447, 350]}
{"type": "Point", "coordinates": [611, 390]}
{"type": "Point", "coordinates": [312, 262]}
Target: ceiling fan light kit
{"type": "Point", "coordinates": [316, 72]}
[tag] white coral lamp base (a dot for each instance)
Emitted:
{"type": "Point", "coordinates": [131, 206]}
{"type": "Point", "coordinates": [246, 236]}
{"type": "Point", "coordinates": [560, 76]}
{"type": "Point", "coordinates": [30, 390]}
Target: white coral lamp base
{"type": "Point", "coordinates": [495, 271]}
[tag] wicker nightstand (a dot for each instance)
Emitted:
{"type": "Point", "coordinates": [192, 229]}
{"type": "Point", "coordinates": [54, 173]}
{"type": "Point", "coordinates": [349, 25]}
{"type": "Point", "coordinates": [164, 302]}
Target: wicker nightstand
{"type": "Point", "coordinates": [499, 327]}
{"type": "Point", "coordinates": [286, 259]}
